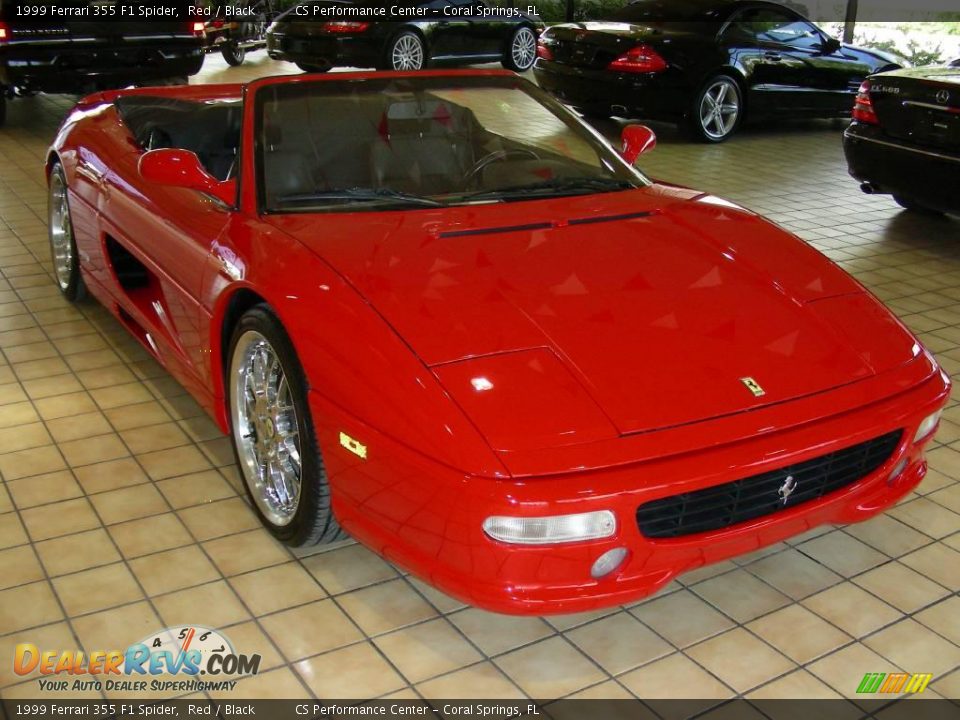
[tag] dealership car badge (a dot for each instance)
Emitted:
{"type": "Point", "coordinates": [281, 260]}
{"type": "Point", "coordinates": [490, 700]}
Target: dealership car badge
{"type": "Point", "coordinates": [753, 386]}
{"type": "Point", "coordinates": [943, 96]}
{"type": "Point", "coordinates": [786, 490]}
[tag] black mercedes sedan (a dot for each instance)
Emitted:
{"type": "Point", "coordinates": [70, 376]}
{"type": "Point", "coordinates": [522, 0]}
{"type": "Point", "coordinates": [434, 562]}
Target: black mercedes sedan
{"type": "Point", "coordinates": [705, 64]}
{"type": "Point", "coordinates": [418, 33]}
{"type": "Point", "coordinates": [905, 137]}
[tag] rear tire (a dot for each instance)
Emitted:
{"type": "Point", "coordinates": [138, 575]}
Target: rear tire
{"type": "Point", "coordinates": [310, 68]}
{"type": "Point", "coordinates": [521, 51]}
{"type": "Point", "coordinates": [914, 206]}
{"type": "Point", "coordinates": [406, 52]}
{"type": "Point", "coordinates": [233, 54]}
{"type": "Point", "coordinates": [63, 245]}
{"type": "Point", "coordinates": [274, 439]}
{"type": "Point", "coordinates": [716, 110]}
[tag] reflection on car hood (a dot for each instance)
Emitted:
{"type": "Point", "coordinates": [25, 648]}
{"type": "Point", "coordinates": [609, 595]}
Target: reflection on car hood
{"type": "Point", "coordinates": [659, 301]}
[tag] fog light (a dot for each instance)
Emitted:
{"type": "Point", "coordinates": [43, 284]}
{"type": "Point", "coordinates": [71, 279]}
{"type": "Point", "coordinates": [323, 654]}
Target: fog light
{"type": "Point", "coordinates": [897, 471]}
{"type": "Point", "coordinates": [554, 529]}
{"type": "Point", "coordinates": [608, 562]}
{"type": "Point", "coordinates": [928, 425]}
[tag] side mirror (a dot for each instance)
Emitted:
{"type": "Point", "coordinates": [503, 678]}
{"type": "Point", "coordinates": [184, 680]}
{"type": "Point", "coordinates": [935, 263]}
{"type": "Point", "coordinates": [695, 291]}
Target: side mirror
{"type": "Point", "coordinates": [830, 45]}
{"type": "Point", "coordinates": [637, 139]}
{"type": "Point", "coordinates": [182, 168]}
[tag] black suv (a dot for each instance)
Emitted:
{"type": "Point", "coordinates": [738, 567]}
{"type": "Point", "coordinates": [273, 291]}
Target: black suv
{"type": "Point", "coordinates": [41, 53]}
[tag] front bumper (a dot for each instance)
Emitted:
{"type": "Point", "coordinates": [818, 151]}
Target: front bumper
{"type": "Point", "coordinates": [926, 175]}
{"type": "Point", "coordinates": [654, 96]}
{"type": "Point", "coordinates": [428, 518]}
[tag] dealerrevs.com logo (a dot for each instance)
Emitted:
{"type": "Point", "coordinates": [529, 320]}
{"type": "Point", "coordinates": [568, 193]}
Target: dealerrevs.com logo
{"type": "Point", "coordinates": [894, 683]}
{"type": "Point", "coordinates": [170, 660]}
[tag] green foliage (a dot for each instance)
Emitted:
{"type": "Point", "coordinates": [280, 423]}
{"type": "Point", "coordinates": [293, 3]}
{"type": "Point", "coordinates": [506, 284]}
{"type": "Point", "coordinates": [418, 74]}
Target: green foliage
{"type": "Point", "coordinates": [913, 52]}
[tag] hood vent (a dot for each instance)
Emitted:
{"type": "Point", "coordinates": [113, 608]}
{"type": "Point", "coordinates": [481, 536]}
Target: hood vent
{"type": "Point", "coordinates": [546, 225]}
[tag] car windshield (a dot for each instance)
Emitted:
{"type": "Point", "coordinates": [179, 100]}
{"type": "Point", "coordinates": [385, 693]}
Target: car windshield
{"type": "Point", "coordinates": [373, 144]}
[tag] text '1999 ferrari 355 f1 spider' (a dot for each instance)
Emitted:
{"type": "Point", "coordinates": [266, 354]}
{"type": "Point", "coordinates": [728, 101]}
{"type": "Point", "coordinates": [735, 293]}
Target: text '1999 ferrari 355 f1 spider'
{"type": "Point", "coordinates": [440, 313]}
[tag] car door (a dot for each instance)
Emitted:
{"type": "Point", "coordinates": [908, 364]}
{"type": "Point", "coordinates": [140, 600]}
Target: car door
{"type": "Point", "coordinates": [467, 25]}
{"type": "Point", "coordinates": [450, 32]}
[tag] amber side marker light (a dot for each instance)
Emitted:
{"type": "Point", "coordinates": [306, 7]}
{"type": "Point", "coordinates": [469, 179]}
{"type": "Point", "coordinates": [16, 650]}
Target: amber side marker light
{"type": "Point", "coordinates": [551, 529]}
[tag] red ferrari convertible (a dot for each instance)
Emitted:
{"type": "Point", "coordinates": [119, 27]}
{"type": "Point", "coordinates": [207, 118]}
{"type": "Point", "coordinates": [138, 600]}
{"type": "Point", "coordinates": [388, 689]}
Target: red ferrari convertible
{"type": "Point", "coordinates": [438, 312]}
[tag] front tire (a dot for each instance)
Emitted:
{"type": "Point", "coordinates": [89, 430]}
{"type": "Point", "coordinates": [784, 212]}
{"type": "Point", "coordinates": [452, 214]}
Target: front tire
{"type": "Point", "coordinates": [273, 433]}
{"type": "Point", "coordinates": [233, 54]}
{"type": "Point", "coordinates": [716, 110]}
{"type": "Point", "coordinates": [521, 51]}
{"type": "Point", "coordinates": [63, 245]}
{"type": "Point", "coordinates": [406, 52]}
{"type": "Point", "coordinates": [310, 68]}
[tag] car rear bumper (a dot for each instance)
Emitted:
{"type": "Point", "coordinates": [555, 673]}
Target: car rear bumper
{"type": "Point", "coordinates": [428, 519]}
{"type": "Point", "coordinates": [621, 94]}
{"type": "Point", "coordinates": [80, 68]}
{"type": "Point", "coordinates": [926, 175]}
{"type": "Point", "coordinates": [328, 51]}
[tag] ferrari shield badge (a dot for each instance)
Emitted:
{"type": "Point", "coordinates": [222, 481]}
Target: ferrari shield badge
{"type": "Point", "coordinates": [753, 386]}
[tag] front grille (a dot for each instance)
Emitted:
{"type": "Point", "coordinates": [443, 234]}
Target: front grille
{"type": "Point", "coordinates": [735, 502]}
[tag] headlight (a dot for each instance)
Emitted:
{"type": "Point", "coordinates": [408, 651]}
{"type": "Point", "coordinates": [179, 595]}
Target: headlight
{"type": "Point", "coordinates": [551, 529]}
{"type": "Point", "coordinates": [928, 425]}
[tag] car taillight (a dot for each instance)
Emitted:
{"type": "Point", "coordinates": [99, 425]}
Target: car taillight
{"type": "Point", "coordinates": [345, 27]}
{"type": "Point", "coordinates": [543, 51]}
{"type": "Point", "coordinates": [641, 59]}
{"type": "Point", "coordinates": [197, 27]}
{"type": "Point", "coordinates": [863, 106]}
{"type": "Point", "coordinates": [4, 32]}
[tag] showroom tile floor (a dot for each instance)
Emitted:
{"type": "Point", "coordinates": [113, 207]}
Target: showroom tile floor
{"type": "Point", "coordinates": [121, 513]}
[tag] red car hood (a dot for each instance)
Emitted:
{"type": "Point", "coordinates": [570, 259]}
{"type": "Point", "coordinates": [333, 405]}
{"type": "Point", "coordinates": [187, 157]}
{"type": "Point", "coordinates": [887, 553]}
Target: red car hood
{"type": "Point", "coordinates": [658, 301]}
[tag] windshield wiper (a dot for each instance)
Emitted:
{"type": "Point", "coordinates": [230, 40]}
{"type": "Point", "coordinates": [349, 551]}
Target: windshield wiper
{"type": "Point", "coordinates": [359, 194]}
{"type": "Point", "coordinates": [558, 186]}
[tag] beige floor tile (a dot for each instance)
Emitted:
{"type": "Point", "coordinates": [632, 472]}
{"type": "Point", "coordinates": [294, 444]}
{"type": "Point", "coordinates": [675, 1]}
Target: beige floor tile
{"type": "Point", "coordinates": [798, 633]}
{"type": "Point", "coordinates": [915, 648]}
{"type": "Point", "coordinates": [901, 587]}
{"type": "Point", "coordinates": [93, 450]}
{"type": "Point", "coordinates": [171, 570]}
{"type": "Point", "coordinates": [101, 377]}
{"type": "Point", "coordinates": [68, 405]}
{"type": "Point", "coordinates": [195, 489]}
{"type": "Point", "coordinates": [439, 599]}
{"type": "Point", "coordinates": [572, 620]}
{"type": "Point", "coordinates": [281, 683]}
{"type": "Point", "coordinates": [6, 504]}
{"type": "Point", "coordinates": [150, 535]}
{"type": "Point", "coordinates": [740, 595]}
{"type": "Point", "coordinates": [310, 629]}
{"type": "Point", "coordinates": [118, 627]}
{"type": "Point", "coordinates": [154, 437]}
{"type": "Point", "coordinates": [77, 552]}
{"type": "Point", "coordinates": [19, 566]}
{"type": "Point", "coordinates": [494, 633]}
{"type": "Point", "coordinates": [942, 618]}
{"type": "Point", "coordinates": [57, 635]}
{"type": "Point", "coordinates": [110, 475]}
{"type": "Point", "coordinates": [348, 568]}
{"type": "Point", "coordinates": [354, 672]}
{"type": "Point", "coordinates": [844, 669]}
{"type": "Point", "coordinates": [550, 668]}
{"type": "Point", "coordinates": [43, 489]}
{"type": "Point", "coordinates": [801, 685]}
{"type": "Point", "coordinates": [78, 427]}
{"type": "Point", "coordinates": [39, 368]}
{"type": "Point", "coordinates": [24, 437]}
{"type": "Point", "coordinates": [175, 461]}
{"type": "Point", "coordinates": [660, 679]}
{"type": "Point", "coordinates": [482, 681]}
{"type": "Point", "coordinates": [119, 395]}
{"type": "Point", "coordinates": [608, 690]}
{"type": "Point", "coordinates": [706, 572]}
{"type": "Point", "coordinates": [27, 606]}
{"type": "Point", "coordinates": [214, 603]}
{"type": "Point", "coordinates": [928, 516]}
{"type": "Point", "coordinates": [246, 551]}
{"type": "Point", "coordinates": [794, 574]}
{"type": "Point", "coordinates": [97, 589]}
{"type": "Point", "coordinates": [51, 386]}
{"type": "Point", "coordinates": [682, 618]}
{"type": "Point", "coordinates": [17, 414]}
{"type": "Point", "coordinates": [888, 535]}
{"type": "Point", "coordinates": [948, 686]}
{"type": "Point", "coordinates": [619, 642]}
{"type": "Point", "coordinates": [248, 638]}
{"type": "Point", "coordinates": [842, 554]}
{"type": "Point", "coordinates": [423, 651]}
{"type": "Point", "coordinates": [12, 393]}
{"type": "Point", "coordinates": [938, 562]}
{"type": "Point", "coordinates": [948, 497]}
{"type": "Point", "coordinates": [35, 461]}
{"type": "Point", "coordinates": [852, 609]}
{"type": "Point", "coordinates": [129, 503]}
{"type": "Point", "coordinates": [11, 531]}
{"type": "Point", "coordinates": [276, 588]}
{"type": "Point", "coordinates": [62, 518]}
{"type": "Point", "coordinates": [233, 516]}
{"type": "Point", "coordinates": [385, 607]}
{"type": "Point", "coordinates": [740, 660]}
{"type": "Point", "coordinates": [127, 417]}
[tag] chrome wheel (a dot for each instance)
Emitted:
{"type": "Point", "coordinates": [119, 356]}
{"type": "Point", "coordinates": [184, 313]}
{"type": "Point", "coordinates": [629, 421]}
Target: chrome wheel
{"type": "Point", "coordinates": [407, 53]}
{"type": "Point", "coordinates": [265, 428]}
{"type": "Point", "coordinates": [524, 49]}
{"type": "Point", "coordinates": [61, 231]}
{"type": "Point", "coordinates": [720, 108]}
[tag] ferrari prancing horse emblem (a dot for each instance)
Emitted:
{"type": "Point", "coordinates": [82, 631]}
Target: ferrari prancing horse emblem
{"type": "Point", "coordinates": [753, 386]}
{"type": "Point", "coordinates": [786, 490]}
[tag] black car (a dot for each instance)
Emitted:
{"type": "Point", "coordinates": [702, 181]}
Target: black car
{"type": "Point", "coordinates": [705, 64]}
{"type": "Point", "coordinates": [421, 32]}
{"type": "Point", "coordinates": [233, 39]}
{"type": "Point", "coordinates": [43, 53]}
{"type": "Point", "coordinates": [905, 137]}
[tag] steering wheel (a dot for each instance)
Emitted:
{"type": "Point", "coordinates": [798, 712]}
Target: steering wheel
{"type": "Point", "coordinates": [495, 156]}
